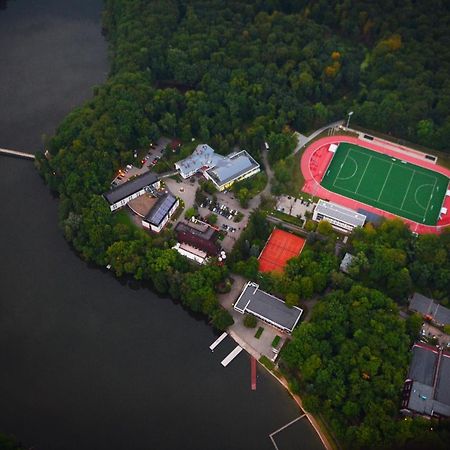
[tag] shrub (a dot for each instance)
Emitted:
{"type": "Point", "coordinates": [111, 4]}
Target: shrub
{"type": "Point", "coordinates": [250, 321]}
{"type": "Point", "coordinates": [259, 332]}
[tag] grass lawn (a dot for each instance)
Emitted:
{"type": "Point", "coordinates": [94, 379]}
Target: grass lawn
{"type": "Point", "coordinates": [387, 183]}
{"type": "Point", "coordinates": [259, 332]}
{"type": "Point", "coordinates": [276, 341]}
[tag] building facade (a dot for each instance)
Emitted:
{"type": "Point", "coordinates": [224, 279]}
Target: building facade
{"type": "Point", "coordinates": [121, 195]}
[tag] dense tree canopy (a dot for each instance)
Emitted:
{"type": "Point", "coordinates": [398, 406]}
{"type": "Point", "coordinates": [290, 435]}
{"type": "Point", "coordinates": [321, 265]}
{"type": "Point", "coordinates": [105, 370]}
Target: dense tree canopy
{"type": "Point", "coordinates": [348, 359]}
{"type": "Point", "coordinates": [245, 72]}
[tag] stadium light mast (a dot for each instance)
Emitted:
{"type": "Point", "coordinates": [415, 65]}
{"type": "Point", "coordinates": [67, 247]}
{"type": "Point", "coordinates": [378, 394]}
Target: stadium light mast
{"type": "Point", "coordinates": [348, 119]}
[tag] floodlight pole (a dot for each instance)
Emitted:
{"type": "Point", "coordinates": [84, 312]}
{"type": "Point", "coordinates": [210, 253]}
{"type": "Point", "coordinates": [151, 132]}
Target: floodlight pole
{"type": "Point", "coordinates": [348, 119]}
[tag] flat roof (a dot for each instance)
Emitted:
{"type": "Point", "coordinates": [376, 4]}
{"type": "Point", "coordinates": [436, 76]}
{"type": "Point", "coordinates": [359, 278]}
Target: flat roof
{"type": "Point", "coordinates": [232, 167]}
{"type": "Point", "coordinates": [161, 209]}
{"type": "Point", "coordinates": [443, 385]}
{"type": "Point", "coordinates": [268, 307]}
{"type": "Point", "coordinates": [202, 156]}
{"type": "Point", "coordinates": [130, 187]}
{"type": "Point", "coordinates": [423, 364]}
{"type": "Point", "coordinates": [340, 213]}
{"type": "Point", "coordinates": [430, 374]}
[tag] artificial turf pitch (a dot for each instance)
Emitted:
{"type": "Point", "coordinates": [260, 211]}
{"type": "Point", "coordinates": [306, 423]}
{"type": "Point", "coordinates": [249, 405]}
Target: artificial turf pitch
{"type": "Point", "coordinates": [387, 183]}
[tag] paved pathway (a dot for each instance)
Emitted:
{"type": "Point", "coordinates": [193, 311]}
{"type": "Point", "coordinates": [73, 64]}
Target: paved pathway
{"type": "Point", "coordinates": [303, 140]}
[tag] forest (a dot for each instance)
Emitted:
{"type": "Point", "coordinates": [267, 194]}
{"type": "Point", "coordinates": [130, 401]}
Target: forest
{"type": "Point", "coordinates": [243, 73]}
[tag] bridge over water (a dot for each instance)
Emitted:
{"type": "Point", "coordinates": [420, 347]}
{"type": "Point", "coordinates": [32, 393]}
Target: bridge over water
{"type": "Point", "coordinates": [8, 152]}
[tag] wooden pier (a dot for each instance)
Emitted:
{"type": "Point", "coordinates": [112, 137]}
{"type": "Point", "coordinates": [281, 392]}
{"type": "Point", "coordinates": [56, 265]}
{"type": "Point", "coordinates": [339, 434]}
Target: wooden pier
{"type": "Point", "coordinates": [16, 153]}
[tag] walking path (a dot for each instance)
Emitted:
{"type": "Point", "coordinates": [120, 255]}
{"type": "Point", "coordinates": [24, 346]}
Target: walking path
{"type": "Point", "coordinates": [303, 140]}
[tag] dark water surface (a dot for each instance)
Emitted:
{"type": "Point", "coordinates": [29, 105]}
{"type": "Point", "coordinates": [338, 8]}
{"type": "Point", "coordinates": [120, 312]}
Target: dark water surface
{"type": "Point", "coordinates": [86, 363]}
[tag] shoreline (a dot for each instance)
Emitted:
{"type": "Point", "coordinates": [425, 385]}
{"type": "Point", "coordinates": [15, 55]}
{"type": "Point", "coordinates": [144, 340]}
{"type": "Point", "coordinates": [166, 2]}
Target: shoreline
{"type": "Point", "coordinates": [326, 441]}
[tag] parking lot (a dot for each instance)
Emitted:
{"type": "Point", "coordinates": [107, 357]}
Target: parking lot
{"type": "Point", "coordinates": [428, 331]}
{"type": "Point", "coordinates": [226, 209]}
{"type": "Point", "coordinates": [147, 162]}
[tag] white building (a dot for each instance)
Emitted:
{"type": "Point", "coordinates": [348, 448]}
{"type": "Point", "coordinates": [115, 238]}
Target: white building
{"type": "Point", "coordinates": [161, 212]}
{"type": "Point", "coordinates": [122, 194]}
{"type": "Point", "coordinates": [192, 253]}
{"type": "Point", "coordinates": [223, 171]}
{"type": "Point", "coordinates": [235, 167]}
{"type": "Point", "coordinates": [340, 217]}
{"type": "Point", "coordinates": [202, 158]}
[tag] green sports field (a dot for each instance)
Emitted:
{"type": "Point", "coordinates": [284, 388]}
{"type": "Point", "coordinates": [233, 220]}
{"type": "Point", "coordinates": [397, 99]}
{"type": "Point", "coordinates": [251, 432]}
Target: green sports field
{"type": "Point", "coordinates": [387, 183]}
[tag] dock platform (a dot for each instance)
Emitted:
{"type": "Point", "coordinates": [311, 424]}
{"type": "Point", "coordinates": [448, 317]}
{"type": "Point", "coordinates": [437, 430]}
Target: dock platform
{"type": "Point", "coordinates": [231, 356]}
{"type": "Point", "coordinates": [218, 341]}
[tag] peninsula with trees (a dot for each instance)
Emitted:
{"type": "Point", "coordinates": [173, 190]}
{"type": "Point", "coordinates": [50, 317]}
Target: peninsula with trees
{"type": "Point", "coordinates": [253, 80]}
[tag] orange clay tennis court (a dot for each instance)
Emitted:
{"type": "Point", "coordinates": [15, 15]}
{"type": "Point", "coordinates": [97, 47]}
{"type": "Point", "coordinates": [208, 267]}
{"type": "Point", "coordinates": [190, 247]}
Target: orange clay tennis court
{"type": "Point", "coordinates": [280, 247]}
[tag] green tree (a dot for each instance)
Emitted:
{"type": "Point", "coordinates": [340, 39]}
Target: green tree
{"type": "Point", "coordinates": [250, 321]}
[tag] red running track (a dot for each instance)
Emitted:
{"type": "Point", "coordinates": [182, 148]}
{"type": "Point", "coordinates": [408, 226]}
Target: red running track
{"type": "Point", "coordinates": [316, 159]}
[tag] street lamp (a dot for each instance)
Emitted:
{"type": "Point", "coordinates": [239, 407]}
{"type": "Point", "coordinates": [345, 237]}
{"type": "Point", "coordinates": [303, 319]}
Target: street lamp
{"type": "Point", "coordinates": [348, 120]}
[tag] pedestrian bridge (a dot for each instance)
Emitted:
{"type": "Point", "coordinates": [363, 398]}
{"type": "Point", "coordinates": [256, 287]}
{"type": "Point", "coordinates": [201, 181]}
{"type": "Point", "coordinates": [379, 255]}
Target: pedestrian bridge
{"type": "Point", "coordinates": [5, 151]}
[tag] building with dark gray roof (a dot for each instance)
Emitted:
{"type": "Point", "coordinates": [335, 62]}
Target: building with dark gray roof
{"type": "Point", "coordinates": [340, 217]}
{"type": "Point", "coordinates": [423, 364]}
{"type": "Point", "coordinates": [268, 308]}
{"type": "Point", "coordinates": [122, 194]}
{"type": "Point", "coordinates": [161, 212]}
{"type": "Point", "coordinates": [427, 388]}
{"type": "Point", "coordinates": [430, 309]}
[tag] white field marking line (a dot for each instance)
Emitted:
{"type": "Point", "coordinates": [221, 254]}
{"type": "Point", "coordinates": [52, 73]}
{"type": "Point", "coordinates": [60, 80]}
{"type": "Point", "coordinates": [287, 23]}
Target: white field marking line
{"type": "Point", "coordinates": [364, 173]}
{"type": "Point", "coordinates": [354, 172]}
{"type": "Point", "coordinates": [385, 181]}
{"type": "Point", "coordinates": [415, 195]}
{"type": "Point", "coordinates": [429, 200]}
{"type": "Point", "coordinates": [380, 202]}
{"type": "Point", "coordinates": [340, 168]}
{"type": "Point", "coordinates": [287, 425]}
{"type": "Point", "coordinates": [407, 190]}
{"type": "Point", "coordinates": [382, 159]}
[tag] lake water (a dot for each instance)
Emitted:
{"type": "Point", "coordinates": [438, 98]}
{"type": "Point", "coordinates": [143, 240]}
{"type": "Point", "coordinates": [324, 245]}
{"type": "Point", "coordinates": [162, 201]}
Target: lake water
{"type": "Point", "coordinates": [86, 362]}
